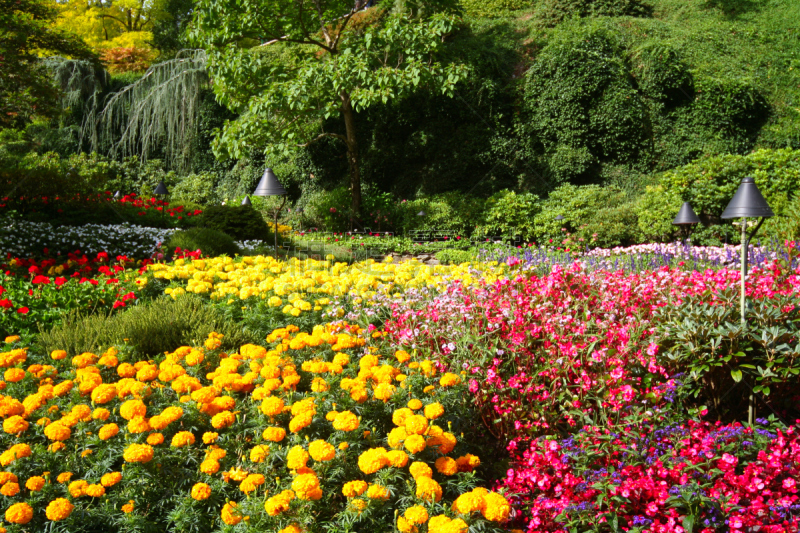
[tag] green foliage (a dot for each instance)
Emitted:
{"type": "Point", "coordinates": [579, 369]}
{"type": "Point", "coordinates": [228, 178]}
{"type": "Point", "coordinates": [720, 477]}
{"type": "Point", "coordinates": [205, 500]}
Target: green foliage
{"type": "Point", "coordinates": [243, 223]}
{"type": "Point", "coordinates": [196, 187]}
{"type": "Point", "coordinates": [492, 8]}
{"type": "Point", "coordinates": [211, 242]}
{"type": "Point", "coordinates": [710, 182]}
{"type": "Point", "coordinates": [706, 340]}
{"type": "Point", "coordinates": [552, 12]}
{"type": "Point", "coordinates": [583, 108]}
{"type": "Point", "coordinates": [456, 257]}
{"type": "Point", "coordinates": [26, 31]}
{"type": "Point", "coordinates": [451, 211]}
{"type": "Point", "coordinates": [593, 216]}
{"type": "Point", "coordinates": [150, 329]}
{"type": "Point", "coordinates": [509, 213]}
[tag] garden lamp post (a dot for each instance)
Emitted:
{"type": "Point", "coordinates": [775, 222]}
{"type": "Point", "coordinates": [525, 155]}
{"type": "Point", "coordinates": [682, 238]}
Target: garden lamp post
{"type": "Point", "coordinates": [117, 195]}
{"type": "Point", "coordinates": [247, 201]}
{"type": "Point", "coordinates": [748, 202]}
{"type": "Point", "coordinates": [270, 186]}
{"type": "Point", "coordinates": [161, 189]}
{"type": "Point", "coordinates": [686, 218]}
{"type": "Point", "coordinates": [421, 214]}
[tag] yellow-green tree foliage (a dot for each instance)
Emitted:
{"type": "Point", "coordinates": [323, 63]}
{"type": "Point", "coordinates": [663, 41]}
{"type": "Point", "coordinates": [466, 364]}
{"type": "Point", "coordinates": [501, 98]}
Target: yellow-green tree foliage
{"type": "Point", "coordinates": [108, 25]}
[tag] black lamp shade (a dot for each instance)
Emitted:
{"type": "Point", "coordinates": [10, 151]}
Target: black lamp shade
{"type": "Point", "coordinates": [686, 216]}
{"type": "Point", "coordinates": [560, 217]}
{"type": "Point", "coordinates": [246, 201]}
{"type": "Point", "coordinates": [421, 214]}
{"type": "Point", "coordinates": [747, 202]}
{"type": "Point", "coordinates": [160, 188]}
{"type": "Point", "coordinates": [269, 185]}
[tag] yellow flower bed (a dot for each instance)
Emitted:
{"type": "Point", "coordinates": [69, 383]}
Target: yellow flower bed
{"type": "Point", "coordinates": [329, 425]}
{"type": "Point", "coordinates": [298, 285]}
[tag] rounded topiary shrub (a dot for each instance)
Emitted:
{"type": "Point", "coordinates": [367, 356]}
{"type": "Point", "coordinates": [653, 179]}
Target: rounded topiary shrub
{"type": "Point", "coordinates": [209, 241]}
{"type": "Point", "coordinates": [240, 222]}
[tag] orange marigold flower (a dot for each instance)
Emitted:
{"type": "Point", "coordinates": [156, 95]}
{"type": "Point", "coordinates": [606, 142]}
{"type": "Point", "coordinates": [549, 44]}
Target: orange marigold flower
{"type": "Point", "coordinates": [251, 483]}
{"type": "Point", "coordinates": [351, 489]}
{"type": "Point", "coordinates": [259, 453]}
{"type": "Point", "coordinates": [223, 420]}
{"type": "Point", "coordinates": [95, 490]}
{"type": "Point", "coordinates": [154, 439]}
{"type": "Point", "coordinates": [111, 479]}
{"type": "Point", "coordinates": [128, 507]}
{"type": "Point", "coordinates": [59, 509]}
{"type": "Point", "coordinates": [496, 508]}
{"type": "Point", "coordinates": [321, 451]}
{"type": "Point", "coordinates": [419, 469]}
{"type": "Point", "coordinates": [209, 466]}
{"type": "Point", "coordinates": [15, 425]}
{"type": "Point", "coordinates": [428, 489]}
{"type": "Point", "coordinates": [346, 421]}
{"type": "Point", "coordinates": [182, 438]}
{"type": "Point", "coordinates": [201, 491]}
{"type": "Point", "coordinates": [19, 513]}
{"type": "Point", "coordinates": [13, 375]}
{"type": "Point", "coordinates": [210, 436]}
{"type": "Point", "coordinates": [230, 515]}
{"type": "Point", "coordinates": [132, 409]}
{"type": "Point", "coordinates": [416, 514]}
{"type": "Point", "coordinates": [10, 489]}
{"type": "Point", "coordinates": [57, 431]}
{"type": "Point", "coordinates": [64, 477]}
{"type": "Point", "coordinates": [104, 393]}
{"type": "Point", "coordinates": [377, 492]}
{"type": "Point", "coordinates": [108, 431]}
{"type": "Point", "coordinates": [415, 443]}
{"type": "Point", "coordinates": [138, 453]}
{"type": "Point", "coordinates": [101, 414]}
{"type": "Point", "coordinates": [446, 466]}
{"type": "Point", "coordinates": [35, 483]}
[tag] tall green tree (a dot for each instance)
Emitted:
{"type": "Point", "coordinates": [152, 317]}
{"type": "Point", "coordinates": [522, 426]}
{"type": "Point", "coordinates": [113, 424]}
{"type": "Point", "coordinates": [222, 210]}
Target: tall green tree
{"type": "Point", "coordinates": [26, 85]}
{"type": "Point", "coordinates": [341, 62]}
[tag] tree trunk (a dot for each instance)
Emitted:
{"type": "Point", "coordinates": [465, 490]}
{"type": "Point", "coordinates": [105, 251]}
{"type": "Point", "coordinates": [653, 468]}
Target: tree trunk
{"type": "Point", "coordinates": [352, 154]}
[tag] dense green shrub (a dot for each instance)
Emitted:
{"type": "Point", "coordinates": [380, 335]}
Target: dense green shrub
{"type": "Point", "coordinates": [198, 188]}
{"type": "Point", "coordinates": [582, 106]}
{"type": "Point", "coordinates": [151, 328]}
{"type": "Point", "coordinates": [492, 8]}
{"type": "Point", "coordinates": [509, 213]}
{"type": "Point", "coordinates": [709, 184]}
{"type": "Point", "coordinates": [211, 242]}
{"type": "Point", "coordinates": [456, 257]}
{"type": "Point", "coordinates": [241, 222]}
{"type": "Point", "coordinates": [551, 12]}
{"type": "Point", "coordinates": [593, 216]}
{"type": "Point", "coordinates": [454, 212]}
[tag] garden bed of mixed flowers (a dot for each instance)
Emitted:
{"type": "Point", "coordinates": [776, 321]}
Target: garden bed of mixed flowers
{"type": "Point", "coordinates": [610, 400]}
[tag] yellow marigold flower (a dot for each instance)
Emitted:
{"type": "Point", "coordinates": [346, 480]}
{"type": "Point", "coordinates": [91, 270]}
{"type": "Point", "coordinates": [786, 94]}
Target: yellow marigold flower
{"type": "Point", "coordinates": [154, 439]}
{"type": "Point", "coordinates": [56, 447]}
{"type": "Point", "coordinates": [319, 385]}
{"type": "Point", "coordinates": [447, 442]}
{"type": "Point", "coordinates": [428, 489]}
{"type": "Point", "coordinates": [95, 491]}
{"type": "Point", "coordinates": [59, 509]}
{"type": "Point", "coordinates": [321, 451]}
{"type": "Point", "coordinates": [274, 434]}
{"type": "Point", "coordinates": [306, 487]}
{"type": "Point", "coordinates": [402, 356]}
{"type": "Point", "coordinates": [104, 393]}
{"type": "Point", "coordinates": [296, 458]}
{"type": "Point", "coordinates": [468, 463]}
{"type": "Point", "coordinates": [416, 514]}
{"type": "Point", "coordinates": [469, 502]}
{"type": "Point", "coordinates": [210, 436]}
{"type": "Point", "coordinates": [344, 445]}
{"type": "Point", "coordinates": [446, 466]}
{"type": "Point", "coordinates": [126, 370]}
{"type": "Point", "coordinates": [111, 479]}
{"type": "Point", "coordinates": [434, 411]}
{"type": "Point", "coordinates": [138, 425]}
{"type": "Point", "coordinates": [101, 414]}
{"type": "Point", "coordinates": [13, 375]}
{"type": "Point", "coordinates": [419, 469]}
{"type": "Point", "coordinates": [182, 438]}
{"type": "Point", "coordinates": [372, 460]}
{"type": "Point", "coordinates": [449, 380]}
{"type": "Point", "coordinates": [272, 406]}
{"type": "Point", "coordinates": [396, 437]}
{"type": "Point", "coordinates": [57, 431]}
{"type": "Point", "coordinates": [209, 466]}
{"type": "Point", "coordinates": [251, 483]}
{"type": "Point", "coordinates": [496, 508]}
{"type": "Point", "coordinates": [279, 503]}
{"type": "Point", "coordinates": [87, 452]}
{"type": "Point", "coordinates": [64, 477]}
{"type": "Point", "coordinates": [108, 431]}
{"type": "Point", "coordinates": [384, 391]}
{"type": "Point", "coordinates": [216, 453]}
{"type": "Point", "coordinates": [429, 389]}
{"type": "Point", "coordinates": [201, 491]}
{"type": "Point", "coordinates": [346, 421]}
{"type": "Point", "coordinates": [359, 394]}
{"type": "Point", "coordinates": [223, 420]}
{"type": "Point", "coordinates": [77, 488]}
{"type": "Point", "coordinates": [15, 425]}
{"type": "Point", "coordinates": [12, 338]}
{"type": "Point", "coordinates": [35, 483]}
{"type": "Point", "coordinates": [358, 505]}
{"type": "Point", "coordinates": [132, 409]}
{"type": "Point", "coordinates": [400, 416]}
{"type": "Point", "coordinates": [138, 453]}
{"type": "Point", "coordinates": [397, 458]}
{"type": "Point", "coordinates": [19, 513]}
{"type": "Point", "coordinates": [128, 507]}
{"type": "Point", "coordinates": [58, 355]}
{"type": "Point", "coordinates": [10, 489]}
{"type": "Point", "coordinates": [415, 443]}
{"type": "Point", "coordinates": [230, 515]}
{"type": "Point", "coordinates": [351, 489]}
{"type": "Point", "coordinates": [259, 453]}
{"type": "Point", "coordinates": [416, 425]}
{"type": "Point", "coordinates": [377, 492]}
{"type": "Point", "coordinates": [291, 528]}
{"type": "Point", "coordinates": [404, 526]}
{"type": "Point", "coordinates": [298, 423]}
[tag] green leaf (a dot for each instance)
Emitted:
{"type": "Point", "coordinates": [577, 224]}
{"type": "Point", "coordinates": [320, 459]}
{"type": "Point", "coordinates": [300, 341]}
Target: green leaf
{"type": "Point", "coordinates": [736, 375]}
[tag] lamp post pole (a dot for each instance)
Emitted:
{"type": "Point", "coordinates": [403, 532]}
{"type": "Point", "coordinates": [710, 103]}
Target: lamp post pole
{"type": "Point", "coordinates": [748, 202]}
{"type": "Point", "coordinates": [270, 186]}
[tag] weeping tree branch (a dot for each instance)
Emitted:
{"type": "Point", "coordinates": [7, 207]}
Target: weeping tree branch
{"type": "Point", "coordinates": [157, 112]}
